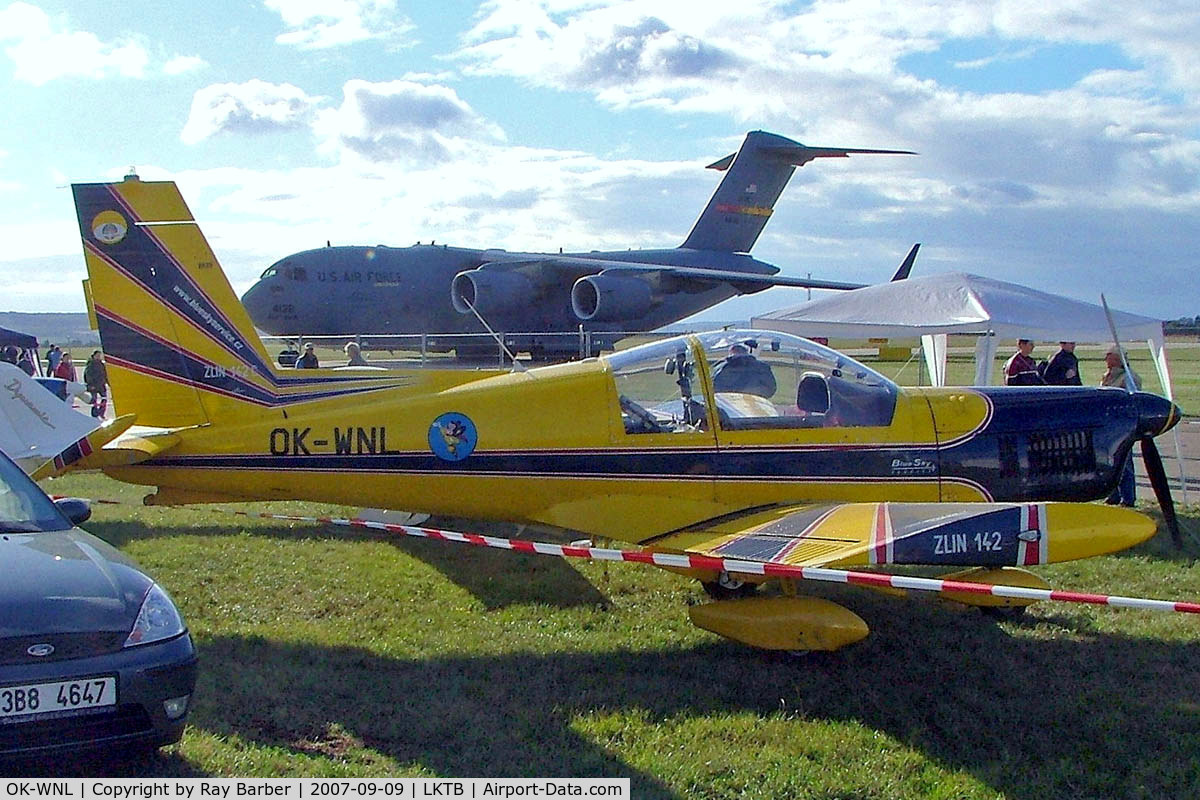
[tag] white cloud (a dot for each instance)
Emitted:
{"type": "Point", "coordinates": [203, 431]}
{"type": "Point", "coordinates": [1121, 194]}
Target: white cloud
{"type": "Point", "coordinates": [1063, 189]}
{"type": "Point", "coordinates": [997, 58]}
{"type": "Point", "coordinates": [626, 52]}
{"type": "Point", "coordinates": [44, 283]}
{"type": "Point", "coordinates": [253, 107]}
{"type": "Point", "coordinates": [402, 120]}
{"type": "Point", "coordinates": [830, 73]}
{"type": "Point", "coordinates": [317, 24]}
{"type": "Point", "coordinates": [181, 64]}
{"type": "Point", "coordinates": [43, 49]}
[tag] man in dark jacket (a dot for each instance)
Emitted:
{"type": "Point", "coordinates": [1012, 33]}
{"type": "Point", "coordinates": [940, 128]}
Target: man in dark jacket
{"type": "Point", "coordinates": [1021, 369]}
{"type": "Point", "coordinates": [1063, 367]}
{"type": "Point", "coordinates": [25, 362]}
{"type": "Point", "coordinates": [309, 359]}
{"type": "Point", "coordinates": [95, 377]}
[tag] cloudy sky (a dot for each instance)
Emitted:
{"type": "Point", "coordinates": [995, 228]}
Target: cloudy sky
{"type": "Point", "coordinates": [1059, 142]}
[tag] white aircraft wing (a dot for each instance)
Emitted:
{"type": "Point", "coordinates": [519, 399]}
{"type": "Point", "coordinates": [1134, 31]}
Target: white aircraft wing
{"type": "Point", "coordinates": [40, 432]}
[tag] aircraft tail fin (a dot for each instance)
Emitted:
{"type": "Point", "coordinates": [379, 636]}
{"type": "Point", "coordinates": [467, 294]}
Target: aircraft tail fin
{"type": "Point", "coordinates": [907, 264]}
{"type": "Point", "coordinates": [179, 345]}
{"type": "Point", "coordinates": [755, 176]}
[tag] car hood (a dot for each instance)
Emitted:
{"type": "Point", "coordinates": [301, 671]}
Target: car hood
{"type": "Point", "coordinates": [66, 582]}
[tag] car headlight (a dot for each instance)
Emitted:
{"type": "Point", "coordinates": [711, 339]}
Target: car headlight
{"type": "Point", "coordinates": [158, 619]}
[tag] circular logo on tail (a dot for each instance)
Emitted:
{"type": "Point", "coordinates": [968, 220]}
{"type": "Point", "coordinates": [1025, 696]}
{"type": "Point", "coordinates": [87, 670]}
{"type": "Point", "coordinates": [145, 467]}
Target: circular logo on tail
{"type": "Point", "coordinates": [452, 436]}
{"type": "Point", "coordinates": [109, 227]}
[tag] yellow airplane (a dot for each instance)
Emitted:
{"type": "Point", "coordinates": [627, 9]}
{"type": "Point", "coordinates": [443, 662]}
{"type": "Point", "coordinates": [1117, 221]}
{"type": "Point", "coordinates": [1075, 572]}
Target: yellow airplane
{"type": "Point", "coordinates": [748, 446]}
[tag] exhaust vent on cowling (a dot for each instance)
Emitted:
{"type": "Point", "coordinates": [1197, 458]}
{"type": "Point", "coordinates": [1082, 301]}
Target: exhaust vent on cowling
{"type": "Point", "coordinates": [1062, 453]}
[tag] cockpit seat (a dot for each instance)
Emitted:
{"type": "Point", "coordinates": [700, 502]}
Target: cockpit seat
{"type": "Point", "coordinates": [812, 394]}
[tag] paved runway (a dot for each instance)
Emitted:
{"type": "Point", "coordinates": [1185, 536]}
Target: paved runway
{"type": "Point", "coordinates": [1186, 459]}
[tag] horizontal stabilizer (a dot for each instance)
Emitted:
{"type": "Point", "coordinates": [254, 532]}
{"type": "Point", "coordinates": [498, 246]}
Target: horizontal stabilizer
{"type": "Point", "coordinates": [134, 447]}
{"type": "Point", "coordinates": [799, 154]}
{"type": "Point", "coordinates": [42, 432]}
{"type": "Point", "coordinates": [76, 454]}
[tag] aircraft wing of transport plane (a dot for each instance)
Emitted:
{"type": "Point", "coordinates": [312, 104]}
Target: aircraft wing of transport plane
{"type": "Point", "coordinates": [753, 446]}
{"type": "Point", "coordinates": [437, 289]}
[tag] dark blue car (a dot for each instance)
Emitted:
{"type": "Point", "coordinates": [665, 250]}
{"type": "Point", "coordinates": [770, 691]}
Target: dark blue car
{"type": "Point", "coordinates": [93, 653]}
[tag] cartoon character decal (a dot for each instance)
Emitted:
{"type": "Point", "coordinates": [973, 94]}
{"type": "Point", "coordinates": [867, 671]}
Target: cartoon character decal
{"type": "Point", "coordinates": [452, 436]}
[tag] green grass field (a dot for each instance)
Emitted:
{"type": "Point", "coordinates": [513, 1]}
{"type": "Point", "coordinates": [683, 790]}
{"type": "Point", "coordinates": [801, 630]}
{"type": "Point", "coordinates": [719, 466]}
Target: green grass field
{"type": "Point", "coordinates": [334, 652]}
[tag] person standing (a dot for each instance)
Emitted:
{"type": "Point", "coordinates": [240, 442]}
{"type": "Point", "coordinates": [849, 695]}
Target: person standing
{"type": "Point", "coordinates": [1115, 374]}
{"type": "Point", "coordinates": [95, 377]}
{"type": "Point", "coordinates": [354, 356]}
{"type": "Point", "coordinates": [53, 358]}
{"type": "Point", "coordinates": [309, 359]}
{"type": "Point", "coordinates": [1126, 492]}
{"type": "Point", "coordinates": [1021, 369]}
{"type": "Point", "coordinates": [1063, 367]}
{"type": "Point", "coordinates": [25, 362]}
{"type": "Point", "coordinates": [65, 368]}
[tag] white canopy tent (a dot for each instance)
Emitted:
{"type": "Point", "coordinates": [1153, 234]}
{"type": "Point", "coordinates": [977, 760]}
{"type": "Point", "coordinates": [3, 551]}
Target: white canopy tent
{"type": "Point", "coordinates": [934, 306]}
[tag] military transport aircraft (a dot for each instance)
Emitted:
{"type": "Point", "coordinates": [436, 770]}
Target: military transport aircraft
{"type": "Point", "coordinates": [434, 289]}
{"type": "Point", "coordinates": [804, 457]}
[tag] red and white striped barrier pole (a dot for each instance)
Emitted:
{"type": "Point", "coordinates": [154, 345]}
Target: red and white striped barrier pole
{"type": "Point", "coordinates": [768, 569]}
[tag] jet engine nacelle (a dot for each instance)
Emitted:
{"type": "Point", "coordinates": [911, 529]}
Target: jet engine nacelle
{"type": "Point", "coordinates": [607, 298]}
{"type": "Point", "coordinates": [489, 291]}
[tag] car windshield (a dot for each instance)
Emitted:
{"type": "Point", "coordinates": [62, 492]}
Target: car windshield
{"type": "Point", "coordinates": [24, 508]}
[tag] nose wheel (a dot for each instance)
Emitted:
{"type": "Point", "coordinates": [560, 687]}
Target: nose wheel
{"type": "Point", "coordinates": [727, 587]}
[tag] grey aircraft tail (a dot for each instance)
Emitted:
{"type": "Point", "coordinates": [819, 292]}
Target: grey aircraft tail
{"type": "Point", "coordinates": [754, 178]}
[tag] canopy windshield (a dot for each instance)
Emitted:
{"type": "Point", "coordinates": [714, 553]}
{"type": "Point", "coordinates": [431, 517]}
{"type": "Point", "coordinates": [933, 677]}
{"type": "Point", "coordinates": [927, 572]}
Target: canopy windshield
{"type": "Point", "coordinates": [760, 379]}
{"type": "Point", "coordinates": [764, 379]}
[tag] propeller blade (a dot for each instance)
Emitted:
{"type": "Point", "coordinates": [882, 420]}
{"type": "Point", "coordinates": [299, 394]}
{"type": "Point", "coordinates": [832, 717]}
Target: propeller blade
{"type": "Point", "coordinates": [1162, 491]}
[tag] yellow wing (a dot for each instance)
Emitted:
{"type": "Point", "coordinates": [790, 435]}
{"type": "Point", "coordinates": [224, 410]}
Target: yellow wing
{"type": "Point", "coordinates": [950, 534]}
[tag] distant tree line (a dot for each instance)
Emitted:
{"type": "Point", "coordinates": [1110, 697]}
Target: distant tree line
{"type": "Point", "coordinates": [1184, 325]}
